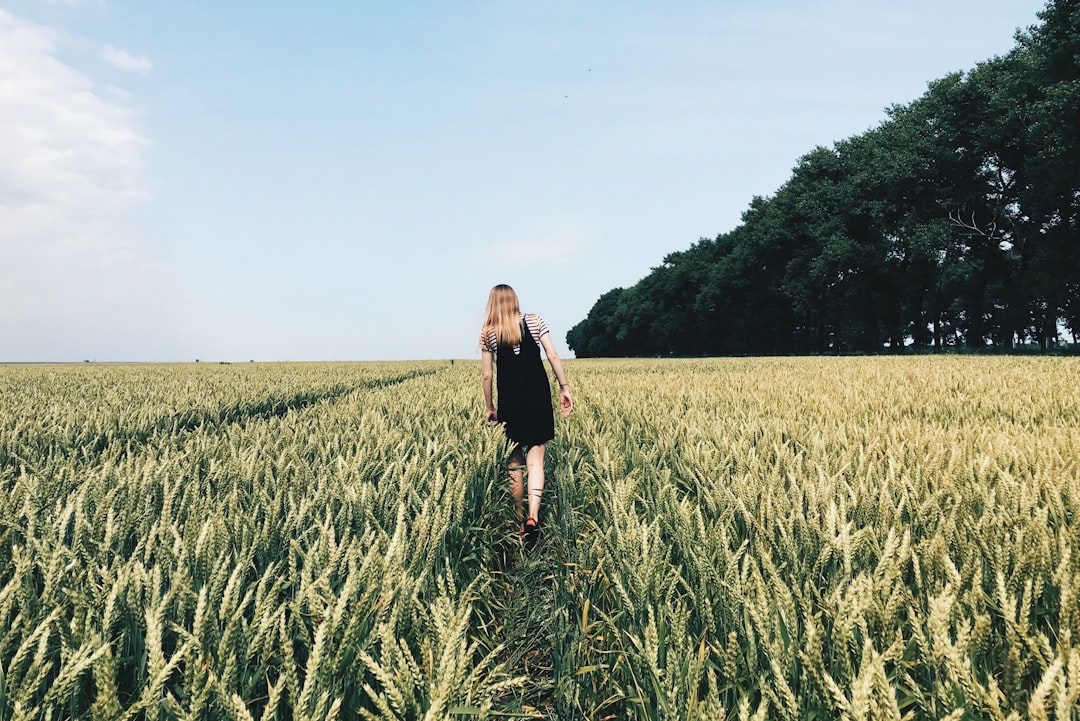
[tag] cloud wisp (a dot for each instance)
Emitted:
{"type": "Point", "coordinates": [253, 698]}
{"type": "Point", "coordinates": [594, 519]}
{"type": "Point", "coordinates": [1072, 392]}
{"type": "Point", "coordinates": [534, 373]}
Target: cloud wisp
{"type": "Point", "coordinates": [554, 239]}
{"type": "Point", "coordinates": [124, 60]}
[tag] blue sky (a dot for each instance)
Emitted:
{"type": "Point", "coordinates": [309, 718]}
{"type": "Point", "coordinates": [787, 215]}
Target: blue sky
{"type": "Point", "coordinates": [347, 180]}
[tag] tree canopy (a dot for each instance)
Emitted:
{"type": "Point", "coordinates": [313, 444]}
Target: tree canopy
{"type": "Point", "coordinates": [954, 222]}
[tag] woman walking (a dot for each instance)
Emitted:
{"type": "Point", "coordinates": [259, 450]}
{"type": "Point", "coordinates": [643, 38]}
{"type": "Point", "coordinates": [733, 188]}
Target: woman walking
{"type": "Point", "coordinates": [510, 343]}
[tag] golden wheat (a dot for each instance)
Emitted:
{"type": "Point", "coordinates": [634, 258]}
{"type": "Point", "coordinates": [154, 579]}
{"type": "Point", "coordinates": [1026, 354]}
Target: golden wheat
{"type": "Point", "coordinates": [859, 538]}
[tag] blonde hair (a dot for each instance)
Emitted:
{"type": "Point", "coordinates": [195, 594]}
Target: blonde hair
{"type": "Point", "coordinates": [503, 315]}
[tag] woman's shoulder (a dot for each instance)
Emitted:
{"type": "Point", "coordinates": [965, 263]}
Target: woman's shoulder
{"type": "Point", "coordinates": [536, 324]}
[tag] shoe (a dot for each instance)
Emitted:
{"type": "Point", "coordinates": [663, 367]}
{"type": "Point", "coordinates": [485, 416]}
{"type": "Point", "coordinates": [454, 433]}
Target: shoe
{"type": "Point", "coordinates": [530, 531]}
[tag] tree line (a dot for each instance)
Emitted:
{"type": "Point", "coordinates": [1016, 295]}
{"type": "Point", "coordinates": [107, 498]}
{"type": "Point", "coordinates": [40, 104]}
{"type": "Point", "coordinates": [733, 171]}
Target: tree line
{"type": "Point", "coordinates": [953, 223]}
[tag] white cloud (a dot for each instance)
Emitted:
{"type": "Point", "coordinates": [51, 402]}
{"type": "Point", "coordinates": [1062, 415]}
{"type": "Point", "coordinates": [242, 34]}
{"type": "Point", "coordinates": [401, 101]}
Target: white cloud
{"type": "Point", "coordinates": [544, 239]}
{"type": "Point", "coordinates": [71, 157]}
{"type": "Point", "coordinates": [126, 61]}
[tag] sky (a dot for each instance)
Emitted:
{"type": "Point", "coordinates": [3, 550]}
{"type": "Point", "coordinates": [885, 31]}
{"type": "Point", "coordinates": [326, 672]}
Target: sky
{"type": "Point", "coordinates": [346, 180]}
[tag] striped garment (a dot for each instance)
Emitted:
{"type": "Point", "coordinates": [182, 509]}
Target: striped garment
{"type": "Point", "coordinates": [537, 328]}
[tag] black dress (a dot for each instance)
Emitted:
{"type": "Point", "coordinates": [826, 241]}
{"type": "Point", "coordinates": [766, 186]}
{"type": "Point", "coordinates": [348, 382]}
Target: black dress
{"type": "Point", "coordinates": [524, 392]}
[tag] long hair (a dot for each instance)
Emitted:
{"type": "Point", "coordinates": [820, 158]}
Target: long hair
{"type": "Point", "coordinates": [503, 315]}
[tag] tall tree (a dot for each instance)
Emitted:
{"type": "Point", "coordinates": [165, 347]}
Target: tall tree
{"type": "Point", "coordinates": [1046, 69]}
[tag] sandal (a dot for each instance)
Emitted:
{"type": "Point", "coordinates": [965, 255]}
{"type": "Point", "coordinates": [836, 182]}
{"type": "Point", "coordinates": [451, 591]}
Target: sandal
{"type": "Point", "coordinates": [530, 531]}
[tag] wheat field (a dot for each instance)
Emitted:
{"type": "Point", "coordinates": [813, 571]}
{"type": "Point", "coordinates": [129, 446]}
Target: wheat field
{"type": "Point", "coordinates": [792, 538]}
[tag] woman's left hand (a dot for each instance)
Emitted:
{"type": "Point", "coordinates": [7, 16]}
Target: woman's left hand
{"type": "Point", "coordinates": [566, 402]}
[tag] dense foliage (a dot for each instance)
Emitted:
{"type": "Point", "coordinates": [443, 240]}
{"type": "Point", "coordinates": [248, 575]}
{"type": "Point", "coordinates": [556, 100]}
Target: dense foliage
{"type": "Point", "coordinates": [955, 222]}
{"type": "Point", "coordinates": [850, 538]}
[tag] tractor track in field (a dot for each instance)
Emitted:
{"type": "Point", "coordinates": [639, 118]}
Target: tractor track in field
{"type": "Point", "coordinates": [529, 590]}
{"type": "Point", "coordinates": [178, 427]}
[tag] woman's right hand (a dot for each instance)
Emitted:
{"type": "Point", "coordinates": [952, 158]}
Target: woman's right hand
{"type": "Point", "coordinates": [491, 416]}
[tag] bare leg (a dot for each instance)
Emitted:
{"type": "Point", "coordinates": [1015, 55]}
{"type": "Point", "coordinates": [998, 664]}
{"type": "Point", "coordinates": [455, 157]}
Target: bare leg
{"type": "Point", "coordinates": [535, 463]}
{"type": "Point", "coordinates": [516, 464]}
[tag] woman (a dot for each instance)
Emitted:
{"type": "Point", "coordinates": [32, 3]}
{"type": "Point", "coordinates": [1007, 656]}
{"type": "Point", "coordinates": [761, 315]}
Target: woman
{"type": "Point", "coordinates": [513, 339]}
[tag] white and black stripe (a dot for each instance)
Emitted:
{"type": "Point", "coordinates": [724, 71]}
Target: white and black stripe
{"type": "Point", "coordinates": [537, 328]}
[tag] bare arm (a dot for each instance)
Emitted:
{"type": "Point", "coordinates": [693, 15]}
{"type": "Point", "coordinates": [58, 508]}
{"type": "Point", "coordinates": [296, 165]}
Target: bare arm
{"type": "Point", "coordinates": [566, 401]}
{"type": "Point", "coordinates": [485, 382]}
